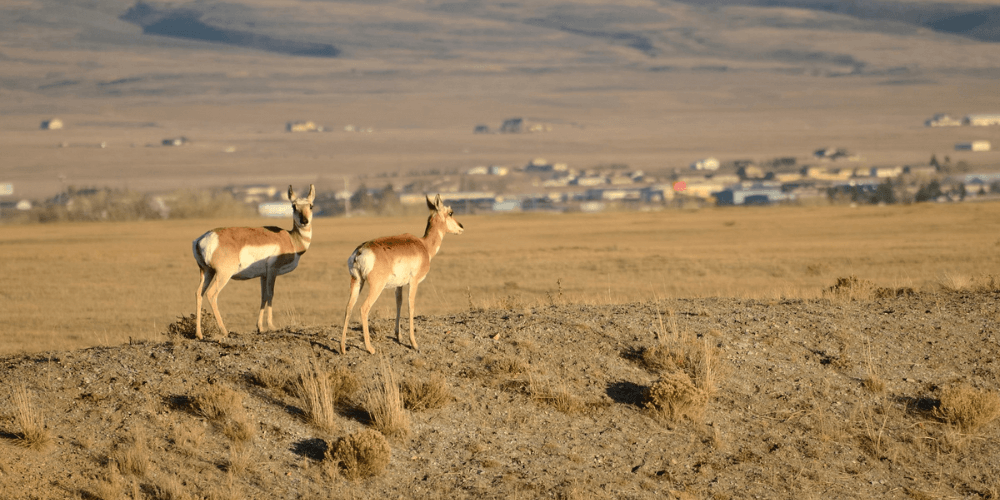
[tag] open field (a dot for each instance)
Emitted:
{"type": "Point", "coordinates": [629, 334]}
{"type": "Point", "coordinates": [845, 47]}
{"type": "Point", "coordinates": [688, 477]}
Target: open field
{"type": "Point", "coordinates": [79, 285]}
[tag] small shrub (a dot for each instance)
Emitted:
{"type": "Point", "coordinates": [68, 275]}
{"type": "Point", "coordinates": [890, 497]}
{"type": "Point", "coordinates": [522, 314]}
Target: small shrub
{"type": "Point", "coordinates": [361, 455]}
{"type": "Point", "coordinates": [674, 396]}
{"type": "Point", "coordinates": [33, 433]}
{"type": "Point", "coordinates": [184, 327]}
{"type": "Point", "coordinates": [425, 395]}
{"type": "Point", "coordinates": [384, 404]}
{"type": "Point", "coordinates": [967, 408]}
{"type": "Point", "coordinates": [852, 288]}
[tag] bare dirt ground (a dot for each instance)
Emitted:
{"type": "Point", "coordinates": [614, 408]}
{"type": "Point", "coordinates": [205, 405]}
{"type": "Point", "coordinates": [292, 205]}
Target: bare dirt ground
{"type": "Point", "coordinates": [839, 397]}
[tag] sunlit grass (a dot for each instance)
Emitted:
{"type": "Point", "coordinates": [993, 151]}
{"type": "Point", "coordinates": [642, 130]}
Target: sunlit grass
{"type": "Point", "coordinates": [79, 285]}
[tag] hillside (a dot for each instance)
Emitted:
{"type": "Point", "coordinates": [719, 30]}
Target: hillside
{"type": "Point", "coordinates": [868, 392]}
{"type": "Point", "coordinates": [651, 84]}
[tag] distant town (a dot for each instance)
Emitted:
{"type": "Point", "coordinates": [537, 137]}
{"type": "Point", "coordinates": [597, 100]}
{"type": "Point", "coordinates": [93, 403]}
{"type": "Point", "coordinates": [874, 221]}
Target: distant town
{"type": "Point", "coordinates": [831, 175]}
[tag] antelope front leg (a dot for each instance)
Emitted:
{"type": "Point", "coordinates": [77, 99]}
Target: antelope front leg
{"type": "Point", "coordinates": [355, 290]}
{"type": "Point", "coordinates": [399, 307]}
{"type": "Point", "coordinates": [413, 300]}
{"type": "Point", "coordinates": [266, 299]}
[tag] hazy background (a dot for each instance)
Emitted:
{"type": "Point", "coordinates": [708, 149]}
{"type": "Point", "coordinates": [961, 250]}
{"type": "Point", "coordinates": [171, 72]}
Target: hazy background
{"type": "Point", "coordinates": [651, 84]}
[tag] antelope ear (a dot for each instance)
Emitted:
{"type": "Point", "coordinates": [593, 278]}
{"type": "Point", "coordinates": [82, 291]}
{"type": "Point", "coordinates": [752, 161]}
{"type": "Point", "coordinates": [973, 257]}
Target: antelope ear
{"type": "Point", "coordinates": [438, 204]}
{"type": "Point", "coordinates": [291, 193]}
{"type": "Point", "coordinates": [430, 204]}
{"type": "Point", "coordinates": [312, 193]}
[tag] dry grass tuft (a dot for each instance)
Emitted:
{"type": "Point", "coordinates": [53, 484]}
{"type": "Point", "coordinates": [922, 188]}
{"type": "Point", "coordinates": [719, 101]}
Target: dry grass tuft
{"type": "Point", "coordinates": [968, 408]}
{"type": "Point", "coordinates": [239, 427]}
{"type": "Point", "coordinates": [361, 455]}
{"type": "Point", "coordinates": [132, 454]}
{"type": "Point", "coordinates": [317, 397]}
{"type": "Point", "coordinates": [343, 383]}
{"type": "Point", "coordinates": [274, 377]}
{"type": "Point", "coordinates": [674, 396]}
{"type": "Point", "coordinates": [239, 459]}
{"type": "Point", "coordinates": [561, 399]}
{"type": "Point", "coordinates": [504, 365]}
{"type": "Point", "coordinates": [33, 433]}
{"type": "Point", "coordinates": [427, 394]}
{"type": "Point", "coordinates": [184, 327]}
{"type": "Point", "coordinates": [384, 404]}
{"type": "Point", "coordinates": [217, 403]}
{"type": "Point", "coordinates": [111, 486]}
{"type": "Point", "coordinates": [852, 288]}
{"type": "Point", "coordinates": [873, 380]}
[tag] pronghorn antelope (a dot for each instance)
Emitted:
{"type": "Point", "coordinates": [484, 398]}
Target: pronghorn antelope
{"type": "Point", "coordinates": [395, 261]}
{"type": "Point", "coordinates": [244, 253]}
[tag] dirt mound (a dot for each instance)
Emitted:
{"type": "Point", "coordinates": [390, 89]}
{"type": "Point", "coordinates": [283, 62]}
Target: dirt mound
{"type": "Point", "coordinates": [880, 396]}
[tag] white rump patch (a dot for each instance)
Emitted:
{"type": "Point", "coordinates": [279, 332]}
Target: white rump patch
{"type": "Point", "coordinates": [361, 262]}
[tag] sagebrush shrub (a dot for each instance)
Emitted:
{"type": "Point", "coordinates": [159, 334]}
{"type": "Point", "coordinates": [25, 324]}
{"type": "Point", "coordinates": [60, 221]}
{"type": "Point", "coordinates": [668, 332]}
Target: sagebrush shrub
{"type": "Point", "coordinates": [968, 408]}
{"type": "Point", "coordinates": [674, 396]}
{"type": "Point", "coordinates": [361, 455]}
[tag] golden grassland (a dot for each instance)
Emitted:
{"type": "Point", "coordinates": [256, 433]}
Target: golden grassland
{"type": "Point", "coordinates": [68, 286]}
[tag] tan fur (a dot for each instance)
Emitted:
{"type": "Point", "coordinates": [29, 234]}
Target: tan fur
{"type": "Point", "coordinates": [251, 252]}
{"type": "Point", "coordinates": [396, 261]}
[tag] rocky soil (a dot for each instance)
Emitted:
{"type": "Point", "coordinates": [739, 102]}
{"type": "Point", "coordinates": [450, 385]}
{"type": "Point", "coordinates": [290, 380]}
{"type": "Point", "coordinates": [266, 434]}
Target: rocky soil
{"type": "Point", "coordinates": [841, 397]}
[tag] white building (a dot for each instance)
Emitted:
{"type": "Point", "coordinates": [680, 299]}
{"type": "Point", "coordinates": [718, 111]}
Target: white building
{"type": "Point", "coordinates": [706, 164]}
{"type": "Point", "coordinates": [982, 120]}
{"type": "Point", "coordinates": [976, 146]}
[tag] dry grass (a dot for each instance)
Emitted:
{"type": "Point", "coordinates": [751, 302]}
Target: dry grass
{"type": "Point", "coordinates": [675, 396]}
{"type": "Point", "coordinates": [872, 380]}
{"type": "Point", "coordinates": [31, 424]}
{"type": "Point", "coordinates": [968, 408]}
{"type": "Point", "coordinates": [427, 394]}
{"type": "Point", "coordinates": [217, 402]}
{"type": "Point", "coordinates": [384, 405]}
{"type": "Point", "coordinates": [361, 455]}
{"type": "Point", "coordinates": [132, 454]}
{"type": "Point", "coordinates": [317, 396]}
{"type": "Point", "coordinates": [571, 248]}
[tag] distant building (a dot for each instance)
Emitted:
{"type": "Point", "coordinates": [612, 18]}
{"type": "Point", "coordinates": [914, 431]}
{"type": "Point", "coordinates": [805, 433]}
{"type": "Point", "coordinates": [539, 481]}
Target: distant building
{"type": "Point", "coordinates": [52, 124]}
{"type": "Point", "coordinates": [752, 193]}
{"type": "Point", "coordinates": [481, 129]}
{"type": "Point", "coordinates": [280, 209]}
{"type": "Point", "coordinates": [303, 126]}
{"type": "Point", "coordinates": [976, 146]}
{"type": "Point", "coordinates": [176, 141]}
{"type": "Point", "coordinates": [886, 172]}
{"type": "Point", "coordinates": [982, 120]}
{"type": "Point", "coordinates": [512, 126]}
{"type": "Point", "coordinates": [705, 164]}
{"type": "Point", "coordinates": [942, 120]}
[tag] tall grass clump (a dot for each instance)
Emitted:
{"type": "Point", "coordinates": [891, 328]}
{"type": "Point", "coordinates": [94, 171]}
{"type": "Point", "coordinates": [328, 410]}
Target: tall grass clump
{"type": "Point", "coordinates": [318, 398]}
{"type": "Point", "coordinates": [427, 394]}
{"type": "Point", "coordinates": [27, 418]}
{"type": "Point", "coordinates": [384, 404]}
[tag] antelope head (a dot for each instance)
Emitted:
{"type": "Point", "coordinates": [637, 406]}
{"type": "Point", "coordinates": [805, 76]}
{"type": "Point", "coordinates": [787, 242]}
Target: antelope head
{"type": "Point", "coordinates": [302, 207]}
{"type": "Point", "coordinates": [444, 215]}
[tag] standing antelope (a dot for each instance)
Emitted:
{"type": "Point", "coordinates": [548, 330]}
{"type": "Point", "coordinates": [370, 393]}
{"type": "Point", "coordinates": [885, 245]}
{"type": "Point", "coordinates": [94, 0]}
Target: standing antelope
{"type": "Point", "coordinates": [395, 261]}
{"type": "Point", "coordinates": [252, 252]}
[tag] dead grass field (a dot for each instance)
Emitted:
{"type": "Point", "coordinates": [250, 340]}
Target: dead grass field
{"type": "Point", "coordinates": [69, 286]}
